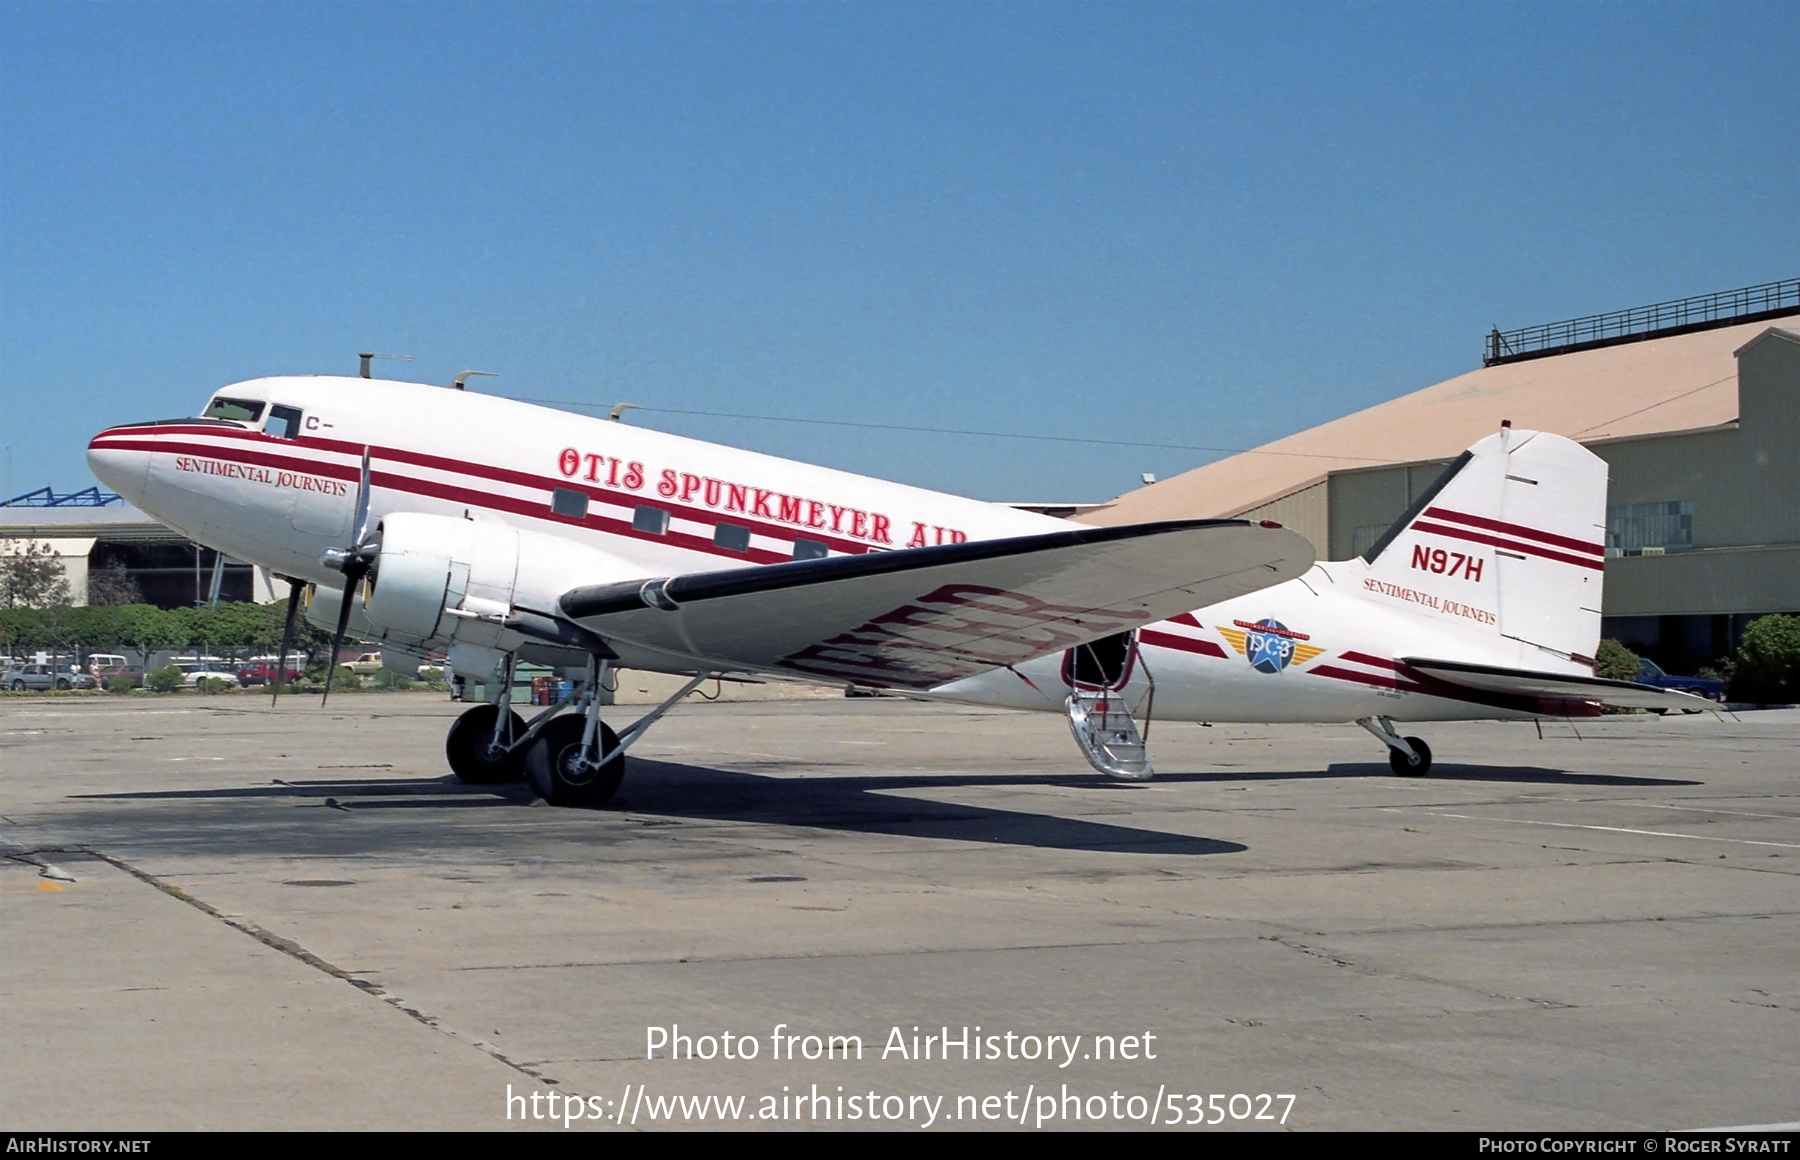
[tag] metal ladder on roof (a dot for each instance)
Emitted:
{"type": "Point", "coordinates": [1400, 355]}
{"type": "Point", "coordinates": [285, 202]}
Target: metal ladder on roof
{"type": "Point", "coordinates": [1107, 735]}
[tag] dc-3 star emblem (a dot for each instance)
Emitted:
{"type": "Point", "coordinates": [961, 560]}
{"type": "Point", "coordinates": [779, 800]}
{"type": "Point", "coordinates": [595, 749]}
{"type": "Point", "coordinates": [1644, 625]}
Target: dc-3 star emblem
{"type": "Point", "coordinates": [1269, 645]}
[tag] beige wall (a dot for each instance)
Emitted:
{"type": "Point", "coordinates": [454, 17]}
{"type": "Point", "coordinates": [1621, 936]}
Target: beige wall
{"type": "Point", "coordinates": [1371, 500]}
{"type": "Point", "coordinates": [638, 687]}
{"type": "Point", "coordinates": [1728, 580]}
{"type": "Point", "coordinates": [72, 553]}
{"type": "Point", "coordinates": [1744, 483]}
{"type": "Point", "coordinates": [1306, 512]}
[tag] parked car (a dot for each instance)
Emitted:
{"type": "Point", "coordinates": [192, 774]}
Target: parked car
{"type": "Point", "coordinates": [263, 672]}
{"type": "Point", "coordinates": [97, 662]}
{"type": "Point", "coordinates": [193, 674]}
{"type": "Point", "coordinates": [19, 677]}
{"type": "Point", "coordinates": [1650, 673]}
{"type": "Point", "coordinates": [133, 673]}
{"type": "Point", "coordinates": [364, 665]}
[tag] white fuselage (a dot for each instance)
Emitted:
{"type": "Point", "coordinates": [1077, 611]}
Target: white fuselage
{"type": "Point", "coordinates": [277, 497]}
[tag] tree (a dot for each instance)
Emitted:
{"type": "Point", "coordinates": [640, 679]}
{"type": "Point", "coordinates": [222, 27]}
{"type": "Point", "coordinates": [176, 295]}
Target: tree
{"type": "Point", "coordinates": [1615, 662]}
{"type": "Point", "coordinates": [149, 629]}
{"type": "Point", "coordinates": [100, 624]}
{"type": "Point", "coordinates": [22, 629]}
{"type": "Point", "coordinates": [113, 585]}
{"type": "Point", "coordinates": [1768, 661]}
{"type": "Point", "coordinates": [31, 575]}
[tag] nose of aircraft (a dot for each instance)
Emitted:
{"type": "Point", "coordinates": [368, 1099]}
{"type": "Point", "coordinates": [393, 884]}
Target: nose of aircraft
{"type": "Point", "coordinates": [120, 467]}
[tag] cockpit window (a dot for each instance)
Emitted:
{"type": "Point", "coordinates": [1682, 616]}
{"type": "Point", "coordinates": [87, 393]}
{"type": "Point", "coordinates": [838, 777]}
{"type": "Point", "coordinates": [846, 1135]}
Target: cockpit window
{"type": "Point", "coordinates": [242, 410]}
{"type": "Point", "coordinates": [284, 422]}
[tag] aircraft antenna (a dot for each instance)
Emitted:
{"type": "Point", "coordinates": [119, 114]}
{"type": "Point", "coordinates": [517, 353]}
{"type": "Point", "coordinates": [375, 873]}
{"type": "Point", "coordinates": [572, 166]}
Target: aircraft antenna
{"type": "Point", "coordinates": [467, 375]}
{"type": "Point", "coordinates": [369, 354]}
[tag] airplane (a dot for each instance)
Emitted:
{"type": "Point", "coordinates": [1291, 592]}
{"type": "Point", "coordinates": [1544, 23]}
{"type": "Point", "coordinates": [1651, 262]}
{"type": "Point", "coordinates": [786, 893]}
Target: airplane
{"type": "Point", "coordinates": [434, 519]}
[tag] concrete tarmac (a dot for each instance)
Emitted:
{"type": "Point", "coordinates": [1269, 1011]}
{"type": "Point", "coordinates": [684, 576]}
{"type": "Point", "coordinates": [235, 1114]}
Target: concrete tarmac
{"type": "Point", "coordinates": [217, 915]}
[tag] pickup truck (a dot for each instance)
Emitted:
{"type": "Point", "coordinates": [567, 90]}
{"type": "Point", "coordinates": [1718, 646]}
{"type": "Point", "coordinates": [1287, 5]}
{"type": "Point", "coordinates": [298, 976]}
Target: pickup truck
{"type": "Point", "coordinates": [364, 665]}
{"type": "Point", "coordinates": [1650, 673]}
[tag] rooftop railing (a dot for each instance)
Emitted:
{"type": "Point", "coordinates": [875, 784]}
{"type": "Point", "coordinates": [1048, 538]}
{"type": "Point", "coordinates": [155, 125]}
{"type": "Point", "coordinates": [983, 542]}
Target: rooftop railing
{"type": "Point", "coordinates": [1683, 315]}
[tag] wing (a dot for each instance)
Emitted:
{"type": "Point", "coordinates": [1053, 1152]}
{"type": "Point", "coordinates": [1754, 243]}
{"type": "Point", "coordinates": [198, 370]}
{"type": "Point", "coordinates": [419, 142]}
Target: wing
{"type": "Point", "coordinates": [1523, 682]}
{"type": "Point", "coordinates": [920, 617]}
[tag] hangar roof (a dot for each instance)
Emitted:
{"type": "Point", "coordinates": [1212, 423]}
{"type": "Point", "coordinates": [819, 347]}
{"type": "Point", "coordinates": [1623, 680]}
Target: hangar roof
{"type": "Point", "coordinates": [117, 521]}
{"type": "Point", "coordinates": [1682, 382]}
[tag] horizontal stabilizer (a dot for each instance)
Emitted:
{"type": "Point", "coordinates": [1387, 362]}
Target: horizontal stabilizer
{"type": "Point", "coordinates": [1525, 683]}
{"type": "Point", "coordinates": [924, 616]}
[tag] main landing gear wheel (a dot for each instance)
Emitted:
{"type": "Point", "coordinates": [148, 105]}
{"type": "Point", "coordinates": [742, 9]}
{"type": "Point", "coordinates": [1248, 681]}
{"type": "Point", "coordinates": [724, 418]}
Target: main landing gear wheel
{"type": "Point", "coordinates": [1406, 766]}
{"type": "Point", "coordinates": [469, 748]}
{"type": "Point", "coordinates": [554, 768]}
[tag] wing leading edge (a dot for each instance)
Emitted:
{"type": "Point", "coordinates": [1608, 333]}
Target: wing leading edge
{"type": "Point", "coordinates": [1523, 682]}
{"type": "Point", "coordinates": [924, 616]}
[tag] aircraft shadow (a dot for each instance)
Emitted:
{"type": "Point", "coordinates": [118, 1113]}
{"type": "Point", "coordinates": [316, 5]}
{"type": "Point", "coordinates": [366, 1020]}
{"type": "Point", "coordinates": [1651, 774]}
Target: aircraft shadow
{"type": "Point", "coordinates": [858, 804]}
{"type": "Point", "coordinates": [852, 804]}
{"type": "Point", "coordinates": [1518, 774]}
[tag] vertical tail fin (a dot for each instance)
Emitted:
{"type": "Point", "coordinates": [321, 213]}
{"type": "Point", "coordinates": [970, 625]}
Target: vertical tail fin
{"type": "Point", "coordinates": [1509, 541]}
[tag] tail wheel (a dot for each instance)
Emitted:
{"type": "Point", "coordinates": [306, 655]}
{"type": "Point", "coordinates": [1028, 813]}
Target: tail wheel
{"type": "Point", "coordinates": [554, 768]}
{"type": "Point", "coordinates": [469, 748]}
{"type": "Point", "coordinates": [1411, 767]}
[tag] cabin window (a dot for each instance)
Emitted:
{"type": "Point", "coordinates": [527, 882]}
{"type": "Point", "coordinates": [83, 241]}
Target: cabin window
{"type": "Point", "coordinates": [565, 501]}
{"type": "Point", "coordinates": [732, 537]}
{"type": "Point", "coordinates": [650, 519]}
{"type": "Point", "coordinates": [284, 422]}
{"type": "Point", "coordinates": [810, 550]}
{"type": "Point", "coordinates": [241, 410]}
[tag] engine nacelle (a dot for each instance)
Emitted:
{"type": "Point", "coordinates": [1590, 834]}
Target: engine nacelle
{"type": "Point", "coordinates": [433, 568]}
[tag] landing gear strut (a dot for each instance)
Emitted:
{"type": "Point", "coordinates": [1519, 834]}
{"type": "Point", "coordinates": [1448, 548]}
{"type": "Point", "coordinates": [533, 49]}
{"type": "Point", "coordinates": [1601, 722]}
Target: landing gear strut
{"type": "Point", "coordinates": [1407, 756]}
{"type": "Point", "coordinates": [562, 768]}
{"type": "Point", "coordinates": [571, 760]}
{"type": "Point", "coordinates": [577, 760]}
{"type": "Point", "coordinates": [488, 745]}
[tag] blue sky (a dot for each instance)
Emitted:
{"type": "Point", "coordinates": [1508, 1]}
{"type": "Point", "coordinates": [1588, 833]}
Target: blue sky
{"type": "Point", "coordinates": [1202, 225]}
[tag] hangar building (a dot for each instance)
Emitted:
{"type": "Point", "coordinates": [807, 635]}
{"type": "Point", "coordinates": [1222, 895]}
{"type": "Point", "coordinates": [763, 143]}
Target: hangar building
{"type": "Point", "coordinates": [1694, 404]}
{"type": "Point", "coordinates": [96, 533]}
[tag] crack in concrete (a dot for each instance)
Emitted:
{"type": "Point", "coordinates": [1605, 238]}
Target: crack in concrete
{"type": "Point", "coordinates": [294, 950]}
{"type": "Point", "coordinates": [1370, 972]}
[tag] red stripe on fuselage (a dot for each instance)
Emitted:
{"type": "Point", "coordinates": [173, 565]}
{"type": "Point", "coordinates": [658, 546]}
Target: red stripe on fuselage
{"type": "Point", "coordinates": [1407, 679]}
{"type": "Point", "coordinates": [1205, 648]}
{"type": "Point", "coordinates": [1375, 680]}
{"type": "Point", "coordinates": [497, 474]}
{"type": "Point", "coordinates": [1363, 658]}
{"type": "Point", "coordinates": [1473, 537]}
{"type": "Point", "coordinates": [1516, 530]}
{"type": "Point", "coordinates": [135, 440]}
{"type": "Point", "coordinates": [455, 494]}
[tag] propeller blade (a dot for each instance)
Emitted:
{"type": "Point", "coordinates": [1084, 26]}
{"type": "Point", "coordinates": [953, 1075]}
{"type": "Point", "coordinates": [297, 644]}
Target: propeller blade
{"type": "Point", "coordinates": [295, 590]}
{"type": "Point", "coordinates": [362, 502]}
{"type": "Point", "coordinates": [337, 638]}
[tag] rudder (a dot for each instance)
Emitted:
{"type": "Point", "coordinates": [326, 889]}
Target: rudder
{"type": "Point", "coordinates": [1509, 541]}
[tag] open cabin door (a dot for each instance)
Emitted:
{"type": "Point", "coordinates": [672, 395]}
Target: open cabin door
{"type": "Point", "coordinates": [1099, 676]}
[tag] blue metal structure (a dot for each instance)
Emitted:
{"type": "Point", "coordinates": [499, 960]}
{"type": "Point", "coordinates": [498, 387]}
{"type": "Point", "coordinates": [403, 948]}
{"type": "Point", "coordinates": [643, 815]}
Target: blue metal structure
{"type": "Point", "coordinates": [44, 497]}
